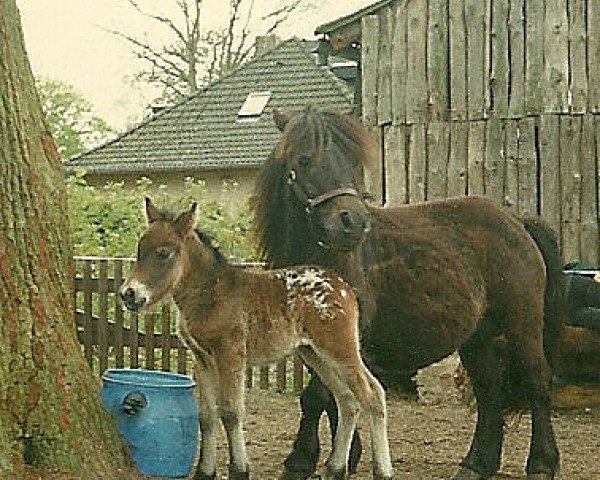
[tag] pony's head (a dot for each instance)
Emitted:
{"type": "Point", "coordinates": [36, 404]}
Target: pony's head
{"type": "Point", "coordinates": [161, 258]}
{"type": "Point", "coordinates": [315, 174]}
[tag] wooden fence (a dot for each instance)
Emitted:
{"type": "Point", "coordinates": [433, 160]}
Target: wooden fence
{"type": "Point", "coordinates": [114, 338]}
{"type": "Point", "coordinates": [492, 97]}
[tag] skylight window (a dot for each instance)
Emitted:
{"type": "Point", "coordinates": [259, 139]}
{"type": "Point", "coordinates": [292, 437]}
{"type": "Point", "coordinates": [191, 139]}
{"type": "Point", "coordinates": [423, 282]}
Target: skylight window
{"type": "Point", "coordinates": [254, 105]}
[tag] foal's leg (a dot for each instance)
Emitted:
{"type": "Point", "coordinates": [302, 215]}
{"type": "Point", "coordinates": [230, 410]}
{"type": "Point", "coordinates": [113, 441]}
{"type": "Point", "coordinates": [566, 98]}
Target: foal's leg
{"type": "Point", "coordinates": [348, 409]}
{"type": "Point", "coordinates": [206, 376]}
{"type": "Point", "coordinates": [301, 463]}
{"type": "Point", "coordinates": [231, 409]}
{"type": "Point", "coordinates": [352, 375]}
{"type": "Point", "coordinates": [355, 447]}
{"type": "Point", "coordinates": [371, 396]}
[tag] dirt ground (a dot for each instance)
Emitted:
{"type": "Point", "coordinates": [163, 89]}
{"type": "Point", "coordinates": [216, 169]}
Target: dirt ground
{"type": "Point", "coordinates": [427, 438]}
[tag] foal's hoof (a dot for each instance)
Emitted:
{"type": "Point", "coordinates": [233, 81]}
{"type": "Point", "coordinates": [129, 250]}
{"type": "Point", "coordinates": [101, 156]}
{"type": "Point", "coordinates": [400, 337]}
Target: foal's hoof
{"type": "Point", "coordinates": [295, 475]}
{"type": "Point", "coordinates": [466, 474]}
{"type": "Point", "coordinates": [540, 476]}
{"type": "Point", "coordinates": [331, 474]}
{"type": "Point", "coordinates": [236, 474]}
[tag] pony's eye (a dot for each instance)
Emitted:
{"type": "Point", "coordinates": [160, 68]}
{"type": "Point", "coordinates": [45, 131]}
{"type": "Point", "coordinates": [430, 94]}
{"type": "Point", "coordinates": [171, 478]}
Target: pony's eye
{"type": "Point", "coordinates": [164, 253]}
{"type": "Point", "coordinates": [304, 160]}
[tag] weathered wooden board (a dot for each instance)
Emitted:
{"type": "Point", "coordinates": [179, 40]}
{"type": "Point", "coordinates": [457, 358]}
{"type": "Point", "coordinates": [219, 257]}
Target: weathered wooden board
{"type": "Point", "coordinates": [549, 147]}
{"type": "Point", "coordinates": [593, 55]}
{"type": "Point", "coordinates": [399, 68]}
{"type": "Point", "coordinates": [493, 166]}
{"type": "Point", "coordinates": [570, 183]}
{"type": "Point", "coordinates": [458, 60]}
{"type": "Point", "coordinates": [417, 97]}
{"type": "Point", "coordinates": [528, 167]}
{"type": "Point", "coordinates": [417, 167]}
{"type": "Point", "coordinates": [556, 57]}
{"type": "Point", "coordinates": [396, 181]}
{"type": "Point", "coordinates": [589, 192]}
{"type": "Point", "coordinates": [437, 59]}
{"type": "Point", "coordinates": [477, 48]}
{"type": "Point", "coordinates": [577, 56]}
{"type": "Point", "coordinates": [369, 63]}
{"type": "Point", "coordinates": [534, 57]}
{"type": "Point", "coordinates": [511, 189]}
{"type": "Point", "coordinates": [457, 159]}
{"type": "Point", "coordinates": [500, 62]}
{"type": "Point", "coordinates": [516, 28]}
{"type": "Point", "coordinates": [384, 67]}
{"type": "Point", "coordinates": [437, 162]}
{"type": "Point", "coordinates": [476, 155]}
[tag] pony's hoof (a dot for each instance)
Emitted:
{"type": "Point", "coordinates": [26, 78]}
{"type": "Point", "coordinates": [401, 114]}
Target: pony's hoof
{"type": "Point", "coordinates": [540, 476]}
{"type": "Point", "coordinates": [203, 476]}
{"type": "Point", "coordinates": [467, 474]}
{"type": "Point", "coordinates": [295, 475]}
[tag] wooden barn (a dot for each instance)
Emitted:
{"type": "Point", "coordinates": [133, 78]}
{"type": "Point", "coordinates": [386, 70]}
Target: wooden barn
{"type": "Point", "coordinates": [490, 97]}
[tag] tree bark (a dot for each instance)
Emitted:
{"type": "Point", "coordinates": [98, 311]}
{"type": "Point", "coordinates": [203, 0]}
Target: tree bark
{"type": "Point", "coordinates": [50, 413]}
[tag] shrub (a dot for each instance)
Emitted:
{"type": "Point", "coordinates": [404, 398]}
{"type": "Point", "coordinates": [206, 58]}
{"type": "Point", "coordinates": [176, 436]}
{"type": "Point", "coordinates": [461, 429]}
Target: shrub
{"type": "Point", "coordinates": [108, 221]}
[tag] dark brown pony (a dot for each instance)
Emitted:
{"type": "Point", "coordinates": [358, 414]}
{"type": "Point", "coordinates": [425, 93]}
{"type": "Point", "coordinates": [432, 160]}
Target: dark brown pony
{"type": "Point", "coordinates": [231, 317]}
{"type": "Point", "coordinates": [456, 274]}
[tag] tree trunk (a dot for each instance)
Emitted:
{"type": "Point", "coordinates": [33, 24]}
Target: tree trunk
{"type": "Point", "coordinates": [50, 414]}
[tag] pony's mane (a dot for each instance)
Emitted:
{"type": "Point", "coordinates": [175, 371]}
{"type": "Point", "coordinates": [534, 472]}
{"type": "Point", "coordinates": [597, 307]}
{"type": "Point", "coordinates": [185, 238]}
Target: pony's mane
{"type": "Point", "coordinates": [312, 131]}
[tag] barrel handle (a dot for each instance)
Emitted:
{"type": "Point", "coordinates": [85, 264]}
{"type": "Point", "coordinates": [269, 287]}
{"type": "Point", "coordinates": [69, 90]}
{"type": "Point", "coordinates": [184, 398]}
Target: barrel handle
{"type": "Point", "coordinates": [134, 402]}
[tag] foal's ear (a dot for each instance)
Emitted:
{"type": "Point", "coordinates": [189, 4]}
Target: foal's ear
{"type": "Point", "coordinates": [150, 210]}
{"type": "Point", "coordinates": [281, 119]}
{"type": "Point", "coordinates": [186, 221]}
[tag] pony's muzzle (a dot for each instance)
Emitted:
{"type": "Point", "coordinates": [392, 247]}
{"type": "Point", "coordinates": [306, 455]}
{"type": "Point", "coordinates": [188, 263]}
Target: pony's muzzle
{"type": "Point", "coordinates": [132, 299]}
{"type": "Point", "coordinates": [353, 223]}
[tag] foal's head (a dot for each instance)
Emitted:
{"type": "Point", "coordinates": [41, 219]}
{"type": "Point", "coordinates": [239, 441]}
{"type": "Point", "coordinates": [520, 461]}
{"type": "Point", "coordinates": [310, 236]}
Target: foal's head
{"type": "Point", "coordinates": [162, 257]}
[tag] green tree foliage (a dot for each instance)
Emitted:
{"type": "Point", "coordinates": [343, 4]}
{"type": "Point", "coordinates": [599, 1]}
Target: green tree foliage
{"type": "Point", "coordinates": [73, 125]}
{"type": "Point", "coordinates": [108, 221]}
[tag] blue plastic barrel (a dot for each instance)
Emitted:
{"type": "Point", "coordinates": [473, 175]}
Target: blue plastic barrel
{"type": "Point", "coordinates": [157, 414]}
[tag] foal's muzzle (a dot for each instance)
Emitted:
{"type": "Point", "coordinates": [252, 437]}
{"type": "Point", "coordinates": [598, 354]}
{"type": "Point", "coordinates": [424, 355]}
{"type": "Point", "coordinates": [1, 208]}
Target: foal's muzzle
{"type": "Point", "coordinates": [132, 300]}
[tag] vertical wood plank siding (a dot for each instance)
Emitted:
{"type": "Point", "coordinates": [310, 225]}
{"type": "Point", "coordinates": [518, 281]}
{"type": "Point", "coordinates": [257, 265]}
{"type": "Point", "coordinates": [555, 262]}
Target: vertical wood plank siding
{"type": "Point", "coordinates": [489, 97]}
{"type": "Point", "coordinates": [112, 338]}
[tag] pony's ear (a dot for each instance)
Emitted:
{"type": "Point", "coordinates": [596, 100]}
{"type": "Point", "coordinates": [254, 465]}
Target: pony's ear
{"type": "Point", "coordinates": [186, 221]}
{"type": "Point", "coordinates": [150, 211]}
{"type": "Point", "coordinates": [281, 119]}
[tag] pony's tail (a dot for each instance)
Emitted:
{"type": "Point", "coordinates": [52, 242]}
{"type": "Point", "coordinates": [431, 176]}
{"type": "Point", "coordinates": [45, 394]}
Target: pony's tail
{"type": "Point", "coordinates": [555, 298]}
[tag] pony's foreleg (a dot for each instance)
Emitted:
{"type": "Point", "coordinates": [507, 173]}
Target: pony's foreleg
{"type": "Point", "coordinates": [301, 463]}
{"type": "Point", "coordinates": [209, 419]}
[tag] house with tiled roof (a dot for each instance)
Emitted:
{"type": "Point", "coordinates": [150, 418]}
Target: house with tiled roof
{"type": "Point", "coordinates": [223, 132]}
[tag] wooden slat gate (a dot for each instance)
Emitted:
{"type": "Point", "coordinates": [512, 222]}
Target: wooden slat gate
{"type": "Point", "coordinates": [492, 97]}
{"type": "Point", "coordinates": [114, 338]}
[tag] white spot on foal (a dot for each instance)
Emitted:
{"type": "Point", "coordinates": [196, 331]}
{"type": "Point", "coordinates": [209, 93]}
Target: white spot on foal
{"type": "Point", "coordinates": [312, 284]}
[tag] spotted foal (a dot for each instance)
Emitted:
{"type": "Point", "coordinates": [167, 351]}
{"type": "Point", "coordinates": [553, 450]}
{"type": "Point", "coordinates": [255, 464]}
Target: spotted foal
{"type": "Point", "coordinates": [231, 317]}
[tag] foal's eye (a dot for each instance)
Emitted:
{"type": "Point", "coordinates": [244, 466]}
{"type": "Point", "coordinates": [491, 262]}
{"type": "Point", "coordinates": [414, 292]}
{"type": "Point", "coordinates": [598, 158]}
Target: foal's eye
{"type": "Point", "coordinates": [164, 253]}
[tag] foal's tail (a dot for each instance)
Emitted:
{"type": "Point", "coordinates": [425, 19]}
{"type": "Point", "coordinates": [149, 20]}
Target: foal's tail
{"type": "Point", "coordinates": [555, 299]}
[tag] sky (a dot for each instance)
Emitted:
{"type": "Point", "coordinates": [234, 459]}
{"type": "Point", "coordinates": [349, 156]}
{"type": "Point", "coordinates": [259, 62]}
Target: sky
{"type": "Point", "coordinates": [68, 40]}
